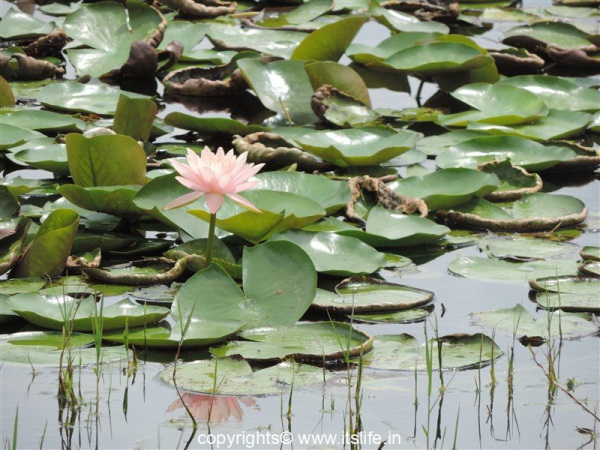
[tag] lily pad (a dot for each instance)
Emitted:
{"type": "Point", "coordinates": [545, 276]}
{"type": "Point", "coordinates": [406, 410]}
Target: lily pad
{"type": "Point", "coordinates": [520, 323]}
{"type": "Point", "coordinates": [525, 153]}
{"type": "Point", "coordinates": [7, 315]}
{"type": "Point", "coordinates": [498, 104]}
{"type": "Point", "coordinates": [20, 285]}
{"type": "Point", "coordinates": [556, 125]}
{"type": "Point", "coordinates": [12, 136]}
{"type": "Point", "coordinates": [44, 349]}
{"type": "Point", "coordinates": [279, 211]}
{"type": "Point", "coordinates": [51, 312]}
{"type": "Point", "coordinates": [405, 316]}
{"type": "Point", "coordinates": [47, 253]}
{"type": "Point", "coordinates": [498, 270]}
{"type": "Point", "coordinates": [590, 253]}
{"type": "Point", "coordinates": [515, 181]}
{"type": "Point", "coordinates": [368, 295]}
{"type": "Point", "coordinates": [282, 86]}
{"type": "Point", "coordinates": [330, 194]}
{"type": "Point", "coordinates": [561, 34]}
{"type": "Point", "coordinates": [525, 249]}
{"type": "Point", "coordinates": [19, 25]}
{"type": "Point", "coordinates": [358, 146]}
{"type": "Point", "coordinates": [307, 342]}
{"type": "Point", "coordinates": [234, 377]}
{"type": "Point", "coordinates": [139, 273]}
{"type": "Point", "coordinates": [115, 200]}
{"type": "Point", "coordinates": [534, 212]}
{"type": "Point", "coordinates": [333, 254]}
{"type": "Point", "coordinates": [279, 285]}
{"type": "Point", "coordinates": [386, 228]}
{"type": "Point", "coordinates": [445, 188]}
{"type": "Point", "coordinates": [43, 121]}
{"type": "Point", "coordinates": [458, 352]}
{"type": "Point", "coordinates": [199, 333]}
{"type": "Point", "coordinates": [211, 125]}
{"type": "Point", "coordinates": [87, 98]}
{"type": "Point", "coordinates": [110, 29]}
{"type": "Point", "coordinates": [39, 155]}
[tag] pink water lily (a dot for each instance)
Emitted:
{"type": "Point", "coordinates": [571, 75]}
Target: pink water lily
{"type": "Point", "coordinates": [215, 175]}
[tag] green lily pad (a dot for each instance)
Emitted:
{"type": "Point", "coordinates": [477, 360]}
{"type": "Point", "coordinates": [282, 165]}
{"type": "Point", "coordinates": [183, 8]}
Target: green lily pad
{"type": "Point", "coordinates": [445, 188]}
{"type": "Point", "coordinates": [518, 322]}
{"type": "Point", "coordinates": [20, 285]}
{"type": "Point", "coordinates": [339, 76]}
{"type": "Point", "coordinates": [329, 42]}
{"type": "Point", "coordinates": [87, 98]}
{"type": "Point", "coordinates": [405, 316]}
{"type": "Point", "coordinates": [525, 249]}
{"type": "Point", "coordinates": [558, 93]}
{"type": "Point", "coordinates": [44, 121]}
{"type": "Point", "coordinates": [399, 21]}
{"type": "Point", "coordinates": [12, 136]}
{"type": "Point", "coordinates": [7, 315]}
{"type": "Point", "coordinates": [568, 293]}
{"type": "Point", "coordinates": [386, 228]}
{"type": "Point", "coordinates": [139, 273]}
{"type": "Point", "coordinates": [115, 200]}
{"type": "Point", "coordinates": [298, 16]}
{"type": "Point", "coordinates": [525, 153]}
{"type": "Point", "coordinates": [314, 342]}
{"type": "Point", "coordinates": [52, 158]}
{"type": "Point", "coordinates": [19, 25]}
{"type": "Point", "coordinates": [51, 311]}
{"type": "Point", "coordinates": [279, 285]}
{"type": "Point", "coordinates": [44, 349]}
{"type": "Point", "coordinates": [368, 295]}
{"type": "Point", "coordinates": [434, 145]}
{"type": "Point", "coordinates": [278, 43]}
{"type": "Point", "coordinates": [514, 181]}
{"type": "Point", "coordinates": [560, 34]}
{"type": "Point", "coordinates": [566, 285]}
{"type": "Point", "coordinates": [47, 253]}
{"type": "Point", "coordinates": [534, 212]}
{"type": "Point", "coordinates": [109, 30]}
{"type": "Point", "coordinates": [556, 125]}
{"type": "Point", "coordinates": [282, 86]}
{"type": "Point", "coordinates": [498, 270]}
{"type": "Point", "coordinates": [358, 146]}
{"type": "Point", "coordinates": [333, 254]}
{"type": "Point", "coordinates": [330, 194]}
{"type": "Point", "coordinates": [199, 333]}
{"type": "Point", "coordinates": [590, 253]}
{"type": "Point", "coordinates": [498, 104]}
{"type": "Point", "coordinates": [234, 377]}
{"type": "Point", "coordinates": [458, 352]}
{"type": "Point", "coordinates": [107, 160]}
{"type": "Point", "coordinates": [211, 125]}
{"type": "Point", "coordinates": [279, 211]}
{"type": "Point", "coordinates": [437, 58]}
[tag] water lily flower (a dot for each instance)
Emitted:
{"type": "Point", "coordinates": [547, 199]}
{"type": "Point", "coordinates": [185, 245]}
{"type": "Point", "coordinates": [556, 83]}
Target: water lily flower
{"type": "Point", "coordinates": [215, 175]}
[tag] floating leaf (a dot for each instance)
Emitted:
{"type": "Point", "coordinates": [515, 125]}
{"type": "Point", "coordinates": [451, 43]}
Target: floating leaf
{"type": "Point", "coordinates": [333, 254]}
{"type": "Point", "coordinates": [44, 121]}
{"type": "Point", "coordinates": [518, 322]}
{"type": "Point", "coordinates": [386, 228]}
{"type": "Point", "coordinates": [498, 270]}
{"type": "Point", "coordinates": [11, 136]}
{"type": "Point", "coordinates": [514, 181]}
{"type": "Point", "coordinates": [445, 188]}
{"type": "Point", "coordinates": [52, 157]}
{"type": "Point", "coordinates": [110, 30]}
{"type": "Point", "coordinates": [528, 154]}
{"type": "Point", "coordinates": [524, 249]}
{"type": "Point", "coordinates": [211, 125]}
{"type": "Point", "coordinates": [367, 295]}
{"type": "Point", "coordinates": [279, 285]}
{"type": "Point", "coordinates": [358, 146]}
{"type": "Point", "coordinates": [405, 316]}
{"type": "Point", "coordinates": [237, 377]}
{"type": "Point", "coordinates": [534, 212]}
{"type": "Point", "coordinates": [76, 97]}
{"type": "Point", "coordinates": [44, 349]}
{"type": "Point", "coordinates": [561, 34]}
{"type": "Point", "coordinates": [314, 342]}
{"type": "Point", "coordinates": [458, 351]}
{"type": "Point", "coordinates": [52, 311]}
{"type": "Point", "coordinates": [590, 253]}
{"type": "Point", "coordinates": [19, 25]}
{"type": "Point", "coordinates": [568, 293]}
{"type": "Point", "coordinates": [339, 76]}
{"type": "Point", "coordinates": [20, 285]}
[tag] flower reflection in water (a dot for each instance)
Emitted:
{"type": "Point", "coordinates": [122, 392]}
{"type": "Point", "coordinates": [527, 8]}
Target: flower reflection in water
{"type": "Point", "coordinates": [223, 408]}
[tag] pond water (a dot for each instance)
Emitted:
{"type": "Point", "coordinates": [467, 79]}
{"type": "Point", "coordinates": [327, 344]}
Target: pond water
{"type": "Point", "coordinates": [491, 407]}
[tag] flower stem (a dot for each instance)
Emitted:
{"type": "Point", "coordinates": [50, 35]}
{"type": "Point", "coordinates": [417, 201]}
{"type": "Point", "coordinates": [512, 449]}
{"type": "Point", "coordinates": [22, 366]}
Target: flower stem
{"type": "Point", "coordinates": [211, 238]}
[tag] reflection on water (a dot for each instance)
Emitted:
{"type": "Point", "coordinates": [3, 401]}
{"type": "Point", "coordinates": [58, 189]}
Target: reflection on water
{"type": "Point", "coordinates": [213, 408]}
